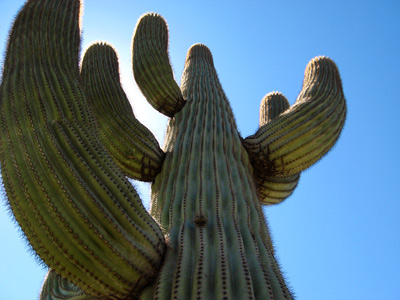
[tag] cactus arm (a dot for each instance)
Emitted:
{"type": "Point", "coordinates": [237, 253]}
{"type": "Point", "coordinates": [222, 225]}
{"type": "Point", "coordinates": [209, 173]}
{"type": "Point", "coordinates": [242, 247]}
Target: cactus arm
{"type": "Point", "coordinates": [306, 131]}
{"type": "Point", "coordinates": [134, 148]}
{"type": "Point", "coordinates": [273, 188]}
{"type": "Point", "coordinates": [151, 66]}
{"type": "Point", "coordinates": [77, 210]}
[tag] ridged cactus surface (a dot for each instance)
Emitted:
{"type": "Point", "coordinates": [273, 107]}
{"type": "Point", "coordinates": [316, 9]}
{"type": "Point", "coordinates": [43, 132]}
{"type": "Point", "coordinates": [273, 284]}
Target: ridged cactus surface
{"type": "Point", "coordinates": [78, 211]}
{"type": "Point", "coordinates": [69, 137]}
{"type": "Point", "coordinates": [151, 66]}
{"type": "Point", "coordinates": [133, 147]}
{"type": "Point", "coordinates": [273, 188]}
{"type": "Point", "coordinates": [209, 201]}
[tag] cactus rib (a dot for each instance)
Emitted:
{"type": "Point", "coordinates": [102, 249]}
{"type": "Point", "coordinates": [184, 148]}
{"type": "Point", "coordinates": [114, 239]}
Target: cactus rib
{"type": "Point", "coordinates": [80, 214]}
{"type": "Point", "coordinates": [134, 148]}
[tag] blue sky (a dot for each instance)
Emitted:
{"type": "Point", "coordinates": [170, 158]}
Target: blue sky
{"type": "Point", "coordinates": [337, 236]}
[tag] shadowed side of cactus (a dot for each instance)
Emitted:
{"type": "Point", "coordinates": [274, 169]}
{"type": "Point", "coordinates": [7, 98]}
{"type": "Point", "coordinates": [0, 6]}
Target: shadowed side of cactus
{"type": "Point", "coordinates": [77, 210]}
{"type": "Point", "coordinates": [133, 147]}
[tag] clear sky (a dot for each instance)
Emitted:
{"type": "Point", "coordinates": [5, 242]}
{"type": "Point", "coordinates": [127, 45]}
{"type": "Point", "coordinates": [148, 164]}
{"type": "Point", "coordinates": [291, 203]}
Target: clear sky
{"type": "Point", "coordinates": [337, 236]}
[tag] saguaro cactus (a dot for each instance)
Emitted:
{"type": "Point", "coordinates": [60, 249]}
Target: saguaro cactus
{"type": "Point", "coordinates": [69, 137]}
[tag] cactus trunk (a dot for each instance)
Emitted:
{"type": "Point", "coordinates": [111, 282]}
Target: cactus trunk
{"type": "Point", "coordinates": [205, 199]}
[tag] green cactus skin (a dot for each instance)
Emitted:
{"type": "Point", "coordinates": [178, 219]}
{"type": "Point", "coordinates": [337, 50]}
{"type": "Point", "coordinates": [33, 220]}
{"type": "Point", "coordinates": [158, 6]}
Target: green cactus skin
{"type": "Point", "coordinates": [151, 66]}
{"type": "Point", "coordinates": [219, 245]}
{"type": "Point", "coordinates": [306, 131]}
{"type": "Point", "coordinates": [133, 147]}
{"type": "Point", "coordinates": [273, 188]}
{"type": "Point", "coordinates": [207, 237]}
{"type": "Point", "coordinates": [56, 287]}
{"type": "Point", "coordinates": [272, 105]}
{"type": "Point", "coordinates": [78, 211]}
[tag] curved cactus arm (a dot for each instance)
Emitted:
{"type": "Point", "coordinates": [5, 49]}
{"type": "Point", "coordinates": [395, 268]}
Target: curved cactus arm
{"type": "Point", "coordinates": [134, 148]}
{"type": "Point", "coordinates": [151, 65]}
{"type": "Point", "coordinates": [77, 210]}
{"type": "Point", "coordinates": [306, 131]}
{"type": "Point", "coordinates": [56, 287]}
{"type": "Point", "coordinates": [273, 188]}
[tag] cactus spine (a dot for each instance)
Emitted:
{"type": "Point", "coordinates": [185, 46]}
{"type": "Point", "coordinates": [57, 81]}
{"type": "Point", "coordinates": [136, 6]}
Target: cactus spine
{"type": "Point", "coordinates": [69, 137]}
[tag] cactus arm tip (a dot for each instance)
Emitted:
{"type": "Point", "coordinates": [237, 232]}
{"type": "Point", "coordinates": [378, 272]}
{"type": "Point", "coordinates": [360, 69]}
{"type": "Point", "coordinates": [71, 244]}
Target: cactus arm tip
{"type": "Point", "coordinates": [151, 66]}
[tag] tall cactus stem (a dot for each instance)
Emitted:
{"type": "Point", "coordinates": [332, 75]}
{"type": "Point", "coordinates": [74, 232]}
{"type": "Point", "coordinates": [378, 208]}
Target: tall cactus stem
{"type": "Point", "coordinates": [219, 244]}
